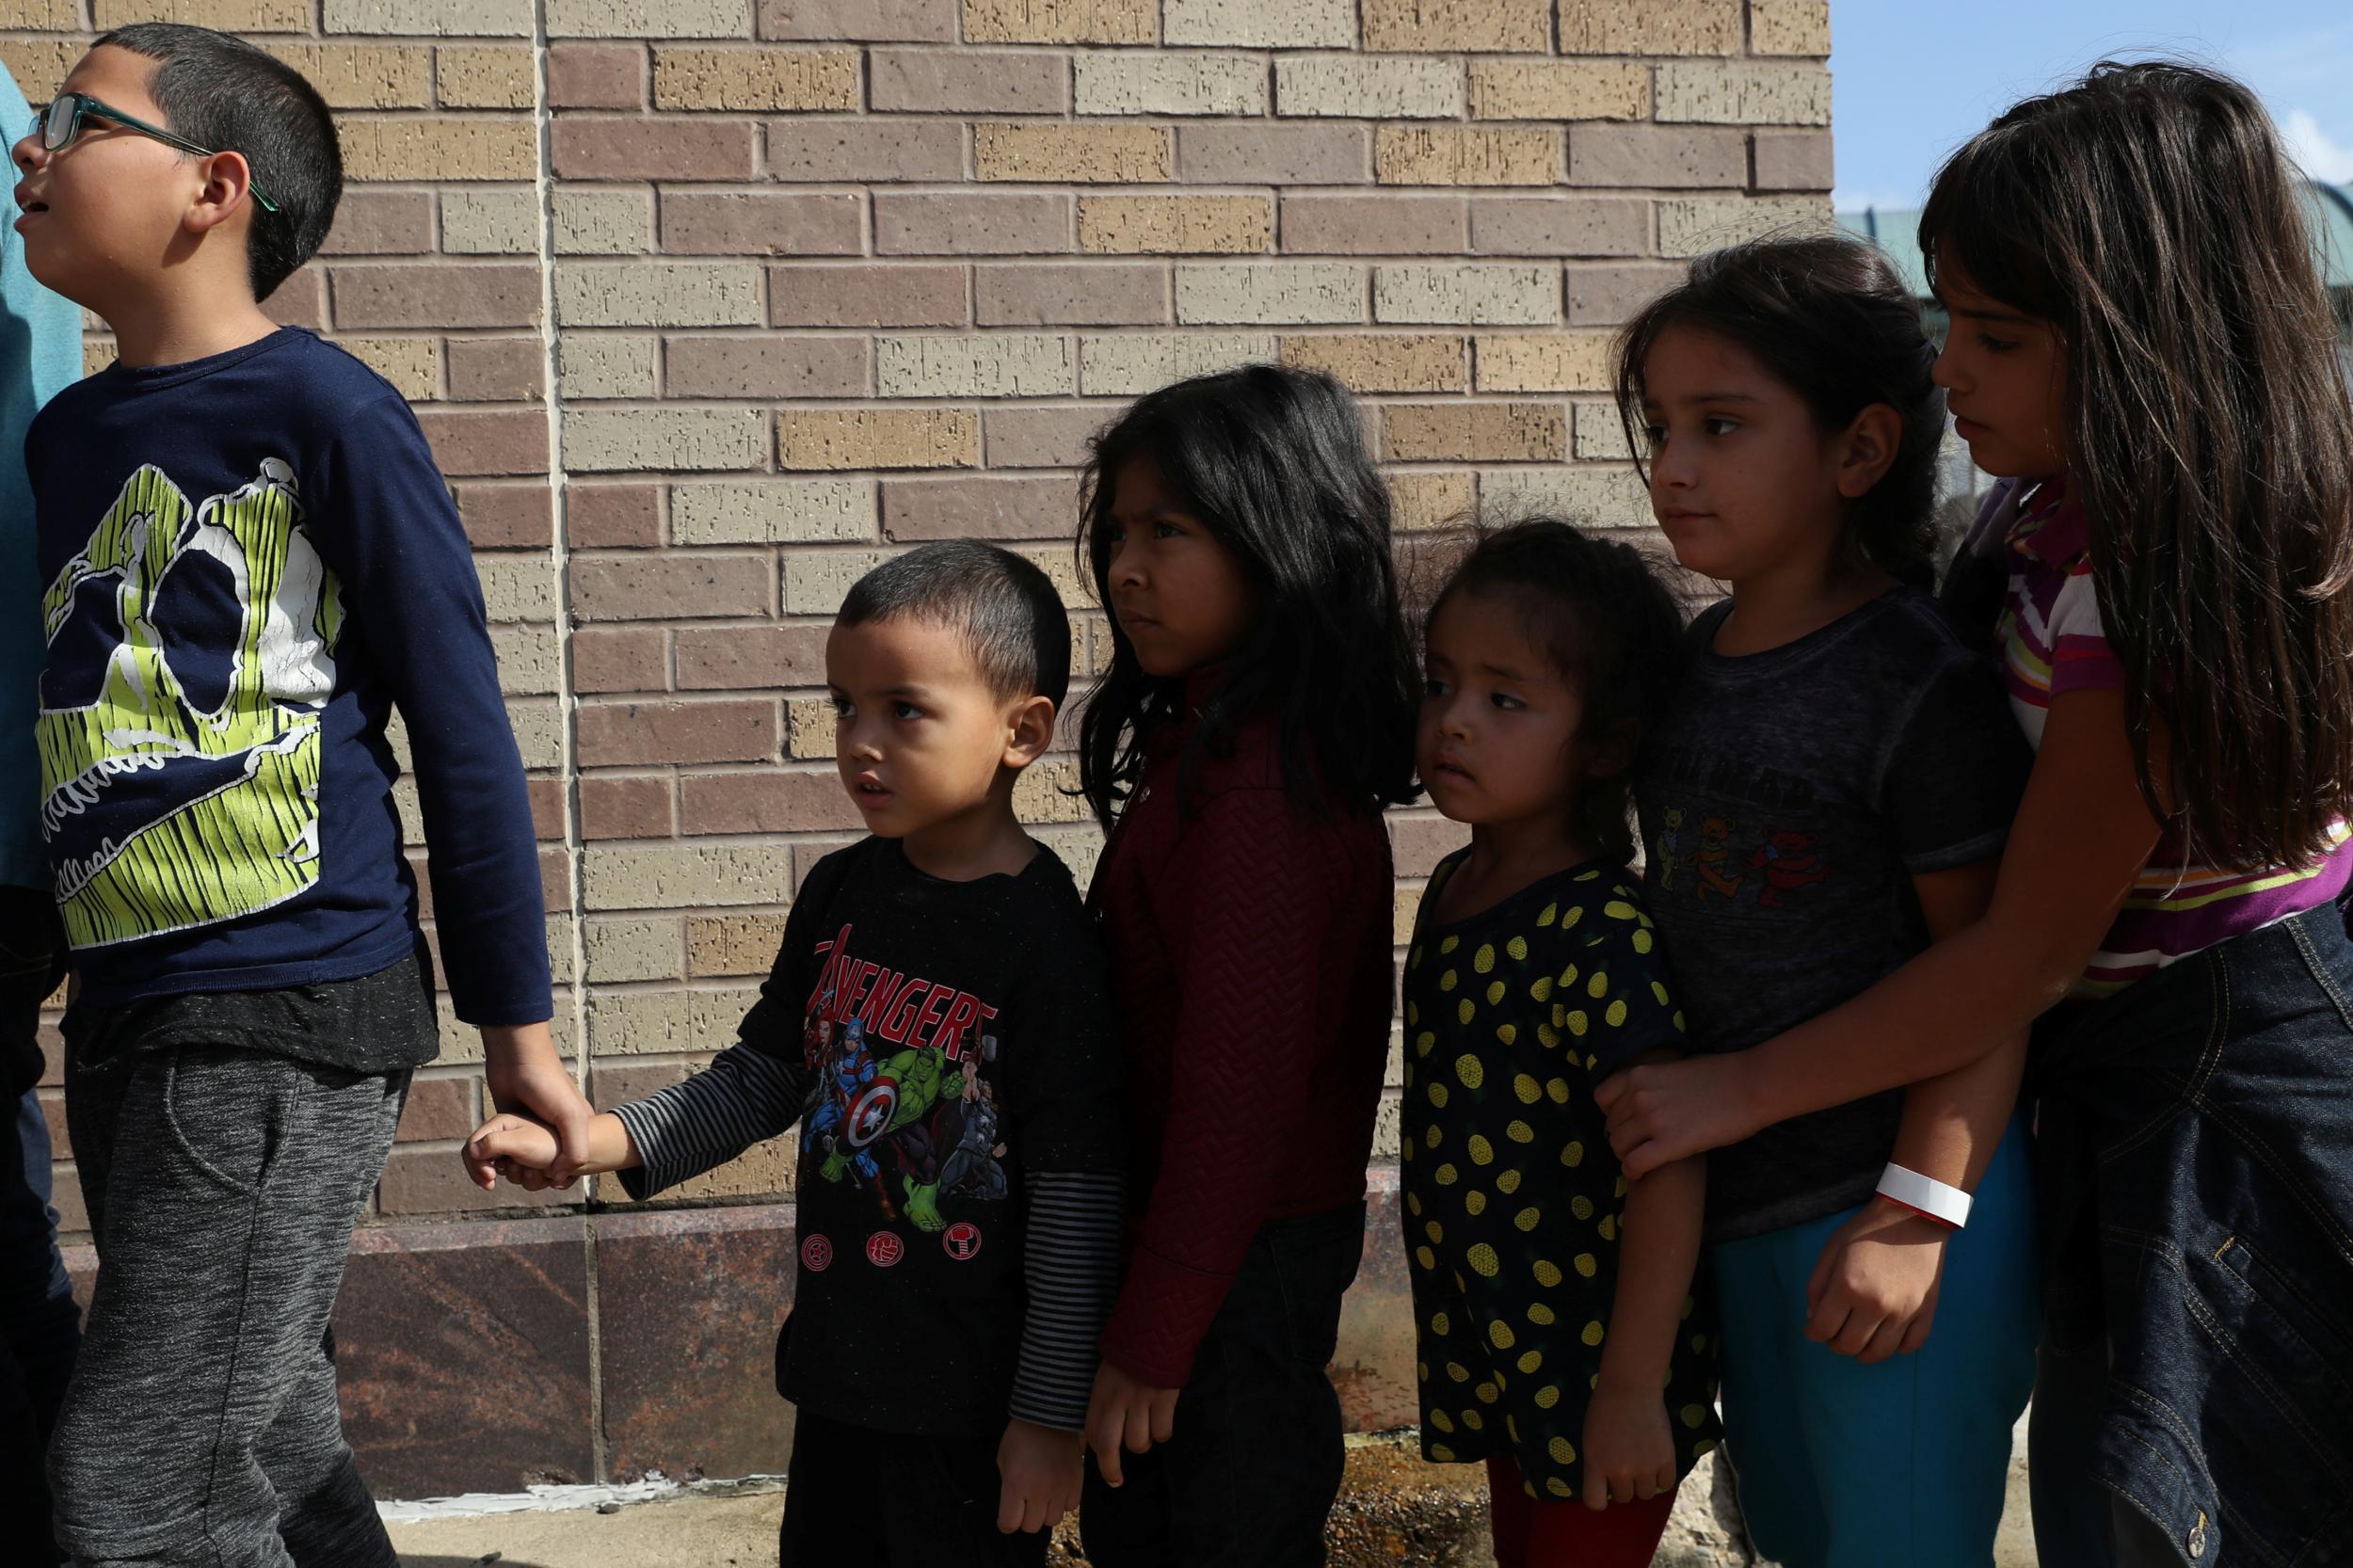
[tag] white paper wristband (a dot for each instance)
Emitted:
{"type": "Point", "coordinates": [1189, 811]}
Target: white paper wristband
{"type": "Point", "coordinates": [1925, 1194]}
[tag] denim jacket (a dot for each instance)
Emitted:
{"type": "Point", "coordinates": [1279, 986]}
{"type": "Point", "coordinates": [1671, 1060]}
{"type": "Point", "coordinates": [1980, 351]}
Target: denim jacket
{"type": "Point", "coordinates": [2195, 1137]}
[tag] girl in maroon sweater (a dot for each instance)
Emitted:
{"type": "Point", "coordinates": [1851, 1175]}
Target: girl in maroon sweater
{"type": "Point", "coordinates": [1258, 714]}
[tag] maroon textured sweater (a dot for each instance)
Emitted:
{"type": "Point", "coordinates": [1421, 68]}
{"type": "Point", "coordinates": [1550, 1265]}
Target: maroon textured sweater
{"type": "Point", "coordinates": [1251, 975]}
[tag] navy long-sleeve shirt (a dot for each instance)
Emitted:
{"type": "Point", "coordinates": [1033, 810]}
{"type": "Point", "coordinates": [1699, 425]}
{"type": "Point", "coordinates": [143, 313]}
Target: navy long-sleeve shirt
{"type": "Point", "coordinates": [247, 562]}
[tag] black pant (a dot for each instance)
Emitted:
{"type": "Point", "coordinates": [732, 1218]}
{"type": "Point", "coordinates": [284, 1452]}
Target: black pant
{"type": "Point", "coordinates": [1249, 1476]}
{"type": "Point", "coordinates": [39, 1325]}
{"type": "Point", "coordinates": [856, 1497]}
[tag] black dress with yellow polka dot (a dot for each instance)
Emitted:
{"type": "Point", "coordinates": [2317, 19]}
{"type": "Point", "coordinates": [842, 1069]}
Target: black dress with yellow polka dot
{"type": "Point", "coordinates": [1512, 1199]}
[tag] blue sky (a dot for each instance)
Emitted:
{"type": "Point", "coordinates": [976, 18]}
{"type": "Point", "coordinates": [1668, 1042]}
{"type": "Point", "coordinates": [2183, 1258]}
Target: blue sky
{"type": "Point", "coordinates": [1912, 80]}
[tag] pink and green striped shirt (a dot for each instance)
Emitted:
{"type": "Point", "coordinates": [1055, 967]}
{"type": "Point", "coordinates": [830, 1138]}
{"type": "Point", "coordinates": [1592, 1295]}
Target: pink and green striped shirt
{"type": "Point", "coordinates": [2052, 643]}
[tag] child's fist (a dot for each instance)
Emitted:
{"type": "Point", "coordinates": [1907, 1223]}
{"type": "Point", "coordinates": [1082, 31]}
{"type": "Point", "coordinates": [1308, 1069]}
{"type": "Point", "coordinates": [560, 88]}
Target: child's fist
{"type": "Point", "coordinates": [1042, 1472]}
{"type": "Point", "coordinates": [514, 1146]}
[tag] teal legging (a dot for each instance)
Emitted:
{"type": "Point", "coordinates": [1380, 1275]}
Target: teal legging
{"type": "Point", "coordinates": [1843, 1466]}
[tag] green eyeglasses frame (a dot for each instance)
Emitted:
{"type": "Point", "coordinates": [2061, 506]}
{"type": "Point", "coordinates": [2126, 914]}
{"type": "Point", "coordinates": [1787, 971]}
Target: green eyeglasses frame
{"type": "Point", "coordinates": [58, 124]}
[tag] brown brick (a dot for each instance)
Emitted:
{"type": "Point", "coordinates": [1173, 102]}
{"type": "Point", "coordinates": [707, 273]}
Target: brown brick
{"type": "Point", "coordinates": [613, 516]}
{"type": "Point", "coordinates": [762, 223]}
{"type": "Point", "coordinates": [917, 509]}
{"type": "Point", "coordinates": [1559, 226]}
{"type": "Point", "coordinates": [965, 223]}
{"type": "Point", "coordinates": [1061, 21]}
{"type": "Point", "coordinates": [1676, 157]}
{"type": "Point", "coordinates": [432, 1181]}
{"type": "Point", "coordinates": [860, 20]}
{"type": "Point", "coordinates": [507, 516]}
{"type": "Point", "coordinates": [301, 301]}
{"type": "Point", "coordinates": [1382, 361]}
{"type": "Point", "coordinates": [1176, 225]}
{"type": "Point", "coordinates": [497, 369]}
{"type": "Point", "coordinates": [869, 296]}
{"type": "Point", "coordinates": [596, 148]}
{"type": "Point", "coordinates": [1092, 153]}
{"type": "Point", "coordinates": [1251, 155]}
{"type": "Point", "coordinates": [736, 658]}
{"type": "Point", "coordinates": [1475, 432]}
{"type": "Point", "coordinates": [1041, 438]}
{"type": "Point", "coordinates": [944, 81]}
{"type": "Point", "coordinates": [363, 75]}
{"type": "Point", "coordinates": [496, 293]}
{"type": "Point", "coordinates": [1092, 294]}
{"type": "Point", "coordinates": [765, 80]}
{"type": "Point", "coordinates": [468, 77]}
{"type": "Point", "coordinates": [620, 659]}
{"type": "Point", "coordinates": [765, 366]}
{"type": "Point", "coordinates": [1384, 225]}
{"type": "Point", "coordinates": [626, 734]}
{"type": "Point", "coordinates": [635, 807]}
{"type": "Point", "coordinates": [1484, 26]}
{"type": "Point", "coordinates": [1794, 160]}
{"type": "Point", "coordinates": [438, 1107]}
{"type": "Point", "coordinates": [1605, 295]}
{"type": "Point", "coordinates": [1467, 156]}
{"type": "Point", "coordinates": [858, 152]}
{"type": "Point", "coordinates": [618, 1082]}
{"type": "Point", "coordinates": [821, 439]}
{"type": "Point", "coordinates": [546, 796]}
{"type": "Point", "coordinates": [1650, 27]}
{"type": "Point", "coordinates": [697, 584]}
{"type": "Point", "coordinates": [381, 223]}
{"type": "Point", "coordinates": [733, 944]}
{"type": "Point", "coordinates": [468, 442]}
{"type": "Point", "coordinates": [596, 76]}
{"type": "Point", "coordinates": [773, 800]}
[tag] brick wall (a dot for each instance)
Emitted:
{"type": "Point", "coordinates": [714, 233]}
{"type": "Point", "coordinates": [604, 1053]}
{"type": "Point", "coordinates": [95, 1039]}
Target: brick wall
{"type": "Point", "coordinates": [706, 305]}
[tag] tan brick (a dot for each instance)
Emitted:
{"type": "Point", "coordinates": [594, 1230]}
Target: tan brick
{"type": "Point", "coordinates": [1076, 154]}
{"type": "Point", "coordinates": [991, 365]}
{"type": "Point", "coordinates": [820, 439]}
{"type": "Point", "coordinates": [594, 221]}
{"type": "Point", "coordinates": [836, 151]}
{"type": "Point", "coordinates": [1355, 86]}
{"type": "Point", "coordinates": [860, 20]}
{"type": "Point", "coordinates": [1042, 437]}
{"type": "Point", "coordinates": [1672, 156]}
{"type": "Point", "coordinates": [48, 16]}
{"type": "Point", "coordinates": [1131, 363]}
{"type": "Point", "coordinates": [635, 148]}
{"type": "Point", "coordinates": [614, 517]}
{"type": "Point", "coordinates": [733, 944]}
{"type": "Point", "coordinates": [1650, 26]}
{"type": "Point", "coordinates": [40, 66]}
{"type": "Point", "coordinates": [490, 222]}
{"type": "Point", "coordinates": [1482, 27]}
{"type": "Point", "coordinates": [736, 658]}
{"type": "Point", "coordinates": [1789, 27]}
{"type": "Point", "coordinates": [1386, 224]}
{"type": "Point", "coordinates": [1604, 296]}
{"type": "Point", "coordinates": [1559, 90]}
{"type": "Point", "coordinates": [633, 949]}
{"type": "Point", "coordinates": [666, 1022]}
{"type": "Point", "coordinates": [1060, 21]}
{"type": "Point", "coordinates": [767, 1170]}
{"type": "Point", "coordinates": [1261, 24]}
{"type": "Point", "coordinates": [712, 730]}
{"type": "Point", "coordinates": [812, 730]}
{"type": "Point", "coordinates": [381, 223]}
{"type": "Point", "coordinates": [815, 583]}
{"type": "Point", "coordinates": [969, 222]}
{"type": "Point", "coordinates": [980, 508]}
{"type": "Point", "coordinates": [600, 441]}
{"type": "Point", "coordinates": [762, 223]}
{"type": "Point", "coordinates": [1424, 500]}
{"type": "Point", "coordinates": [1175, 225]}
{"type": "Point", "coordinates": [409, 295]}
{"type": "Point", "coordinates": [1601, 434]}
{"type": "Point", "coordinates": [684, 875]}
{"type": "Point", "coordinates": [430, 147]}
{"type": "Point", "coordinates": [1382, 361]}
{"type": "Point", "coordinates": [774, 511]}
{"type": "Point", "coordinates": [1542, 361]}
{"type": "Point", "coordinates": [229, 16]}
{"type": "Point", "coordinates": [1478, 293]}
{"type": "Point", "coordinates": [1161, 83]}
{"type": "Point", "coordinates": [1699, 223]}
{"type": "Point", "coordinates": [791, 80]}
{"type": "Point", "coordinates": [1047, 792]}
{"type": "Point", "coordinates": [484, 78]}
{"type": "Point", "coordinates": [424, 18]}
{"type": "Point", "coordinates": [870, 295]}
{"type": "Point", "coordinates": [517, 587]}
{"type": "Point", "coordinates": [1595, 497]}
{"type": "Point", "coordinates": [606, 366]}
{"type": "Point", "coordinates": [1559, 226]}
{"type": "Point", "coordinates": [497, 369]}
{"type": "Point", "coordinates": [1744, 93]}
{"type": "Point", "coordinates": [649, 18]}
{"type": "Point", "coordinates": [944, 81]}
{"type": "Point", "coordinates": [409, 364]}
{"type": "Point", "coordinates": [530, 663]}
{"type": "Point", "coordinates": [596, 76]}
{"type": "Point", "coordinates": [363, 75]}
{"type": "Point", "coordinates": [657, 294]}
{"type": "Point", "coordinates": [1464, 431]}
{"type": "Point", "coordinates": [769, 366]}
{"type": "Point", "coordinates": [1268, 293]}
{"type": "Point", "coordinates": [1274, 154]}
{"type": "Point", "coordinates": [1794, 160]}
{"type": "Point", "coordinates": [1465, 155]}
{"type": "Point", "coordinates": [1082, 294]}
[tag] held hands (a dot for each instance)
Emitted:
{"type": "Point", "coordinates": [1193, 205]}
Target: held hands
{"type": "Point", "coordinates": [1042, 1469]}
{"type": "Point", "coordinates": [1124, 1413]}
{"type": "Point", "coordinates": [1873, 1294]}
{"type": "Point", "coordinates": [514, 1147]}
{"type": "Point", "coordinates": [527, 1075]}
{"type": "Point", "coordinates": [1669, 1111]}
{"type": "Point", "coordinates": [1629, 1448]}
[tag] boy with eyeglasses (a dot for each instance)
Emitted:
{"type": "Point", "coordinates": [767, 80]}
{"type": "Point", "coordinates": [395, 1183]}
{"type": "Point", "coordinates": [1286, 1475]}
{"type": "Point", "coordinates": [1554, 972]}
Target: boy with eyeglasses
{"type": "Point", "coordinates": [248, 559]}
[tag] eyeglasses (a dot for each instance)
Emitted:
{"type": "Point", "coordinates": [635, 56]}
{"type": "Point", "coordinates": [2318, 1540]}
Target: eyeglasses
{"type": "Point", "coordinates": [61, 121]}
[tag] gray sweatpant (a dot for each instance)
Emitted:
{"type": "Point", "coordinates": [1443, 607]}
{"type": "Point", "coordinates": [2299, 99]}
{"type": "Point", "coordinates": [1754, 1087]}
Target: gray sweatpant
{"type": "Point", "coordinates": [201, 1428]}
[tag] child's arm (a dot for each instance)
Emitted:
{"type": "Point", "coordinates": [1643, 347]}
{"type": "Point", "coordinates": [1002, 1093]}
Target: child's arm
{"type": "Point", "coordinates": [516, 1146]}
{"type": "Point", "coordinates": [1629, 1443]}
{"type": "Point", "coordinates": [2080, 839]}
{"type": "Point", "coordinates": [1070, 1261]}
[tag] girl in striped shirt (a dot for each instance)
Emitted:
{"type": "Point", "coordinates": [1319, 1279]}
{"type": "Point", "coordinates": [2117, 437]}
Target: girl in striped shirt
{"type": "Point", "coordinates": [2141, 347]}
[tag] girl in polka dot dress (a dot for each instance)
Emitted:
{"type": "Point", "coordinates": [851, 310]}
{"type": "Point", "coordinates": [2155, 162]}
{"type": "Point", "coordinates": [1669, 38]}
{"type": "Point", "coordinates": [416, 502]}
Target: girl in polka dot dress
{"type": "Point", "coordinates": [1559, 1339]}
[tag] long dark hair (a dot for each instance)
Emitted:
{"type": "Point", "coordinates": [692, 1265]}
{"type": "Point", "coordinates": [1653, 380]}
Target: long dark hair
{"type": "Point", "coordinates": [1272, 459]}
{"type": "Point", "coordinates": [1607, 622]}
{"type": "Point", "coordinates": [1831, 318]}
{"type": "Point", "coordinates": [2150, 215]}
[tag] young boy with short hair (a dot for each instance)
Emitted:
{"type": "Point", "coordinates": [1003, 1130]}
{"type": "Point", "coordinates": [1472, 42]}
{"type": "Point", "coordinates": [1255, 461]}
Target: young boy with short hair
{"type": "Point", "coordinates": [937, 1022]}
{"type": "Point", "coordinates": [249, 560]}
